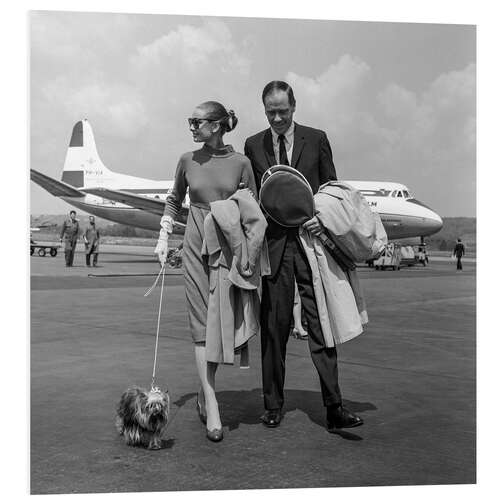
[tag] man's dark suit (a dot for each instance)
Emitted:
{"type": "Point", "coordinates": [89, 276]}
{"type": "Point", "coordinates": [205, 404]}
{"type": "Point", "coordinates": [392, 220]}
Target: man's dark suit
{"type": "Point", "coordinates": [312, 156]}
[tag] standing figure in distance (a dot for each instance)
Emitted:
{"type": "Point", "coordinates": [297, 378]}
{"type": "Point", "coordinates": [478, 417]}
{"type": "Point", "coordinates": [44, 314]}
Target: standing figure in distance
{"type": "Point", "coordinates": [459, 252]}
{"type": "Point", "coordinates": [211, 173]}
{"type": "Point", "coordinates": [70, 232]}
{"type": "Point", "coordinates": [91, 238]}
{"type": "Point", "coordinates": [308, 150]}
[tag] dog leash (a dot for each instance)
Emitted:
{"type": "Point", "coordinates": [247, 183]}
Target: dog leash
{"type": "Point", "coordinates": [162, 274]}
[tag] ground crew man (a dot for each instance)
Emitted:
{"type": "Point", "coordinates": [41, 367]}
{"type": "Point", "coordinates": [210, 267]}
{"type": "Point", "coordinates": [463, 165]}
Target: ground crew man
{"type": "Point", "coordinates": [459, 252]}
{"type": "Point", "coordinates": [70, 232]}
{"type": "Point", "coordinates": [91, 238]}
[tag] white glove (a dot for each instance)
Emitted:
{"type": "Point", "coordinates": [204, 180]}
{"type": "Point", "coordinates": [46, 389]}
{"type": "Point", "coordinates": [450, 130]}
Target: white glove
{"type": "Point", "coordinates": [161, 249]}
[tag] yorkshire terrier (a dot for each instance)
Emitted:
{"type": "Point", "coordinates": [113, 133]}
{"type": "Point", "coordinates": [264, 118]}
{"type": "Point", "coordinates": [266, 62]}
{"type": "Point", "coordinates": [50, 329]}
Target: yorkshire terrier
{"type": "Point", "coordinates": [142, 416]}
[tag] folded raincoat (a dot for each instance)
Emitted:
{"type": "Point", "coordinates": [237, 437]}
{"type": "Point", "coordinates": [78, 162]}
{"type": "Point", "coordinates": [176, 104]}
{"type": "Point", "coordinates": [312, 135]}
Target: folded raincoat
{"type": "Point", "coordinates": [237, 259]}
{"type": "Point", "coordinates": [339, 297]}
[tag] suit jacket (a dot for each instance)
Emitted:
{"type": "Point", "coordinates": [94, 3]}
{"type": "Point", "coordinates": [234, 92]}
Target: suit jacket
{"type": "Point", "coordinates": [459, 250]}
{"type": "Point", "coordinates": [312, 156]}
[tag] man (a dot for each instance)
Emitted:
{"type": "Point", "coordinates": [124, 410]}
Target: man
{"type": "Point", "coordinates": [307, 150]}
{"type": "Point", "coordinates": [91, 238]}
{"type": "Point", "coordinates": [459, 252]}
{"type": "Point", "coordinates": [70, 232]}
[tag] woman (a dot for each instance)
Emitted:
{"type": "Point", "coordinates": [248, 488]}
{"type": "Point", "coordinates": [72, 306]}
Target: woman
{"type": "Point", "coordinates": [211, 173]}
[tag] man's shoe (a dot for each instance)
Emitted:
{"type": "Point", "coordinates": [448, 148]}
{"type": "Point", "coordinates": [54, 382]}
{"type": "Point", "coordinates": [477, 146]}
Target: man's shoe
{"type": "Point", "coordinates": [339, 417]}
{"type": "Point", "coordinates": [272, 418]}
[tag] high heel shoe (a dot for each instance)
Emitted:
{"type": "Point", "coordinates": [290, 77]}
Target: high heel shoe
{"type": "Point", "coordinates": [202, 412]}
{"type": "Point", "coordinates": [215, 435]}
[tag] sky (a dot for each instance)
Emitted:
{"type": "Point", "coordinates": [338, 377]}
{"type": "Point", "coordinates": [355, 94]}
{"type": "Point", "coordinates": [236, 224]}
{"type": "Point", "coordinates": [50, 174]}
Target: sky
{"type": "Point", "coordinates": [397, 100]}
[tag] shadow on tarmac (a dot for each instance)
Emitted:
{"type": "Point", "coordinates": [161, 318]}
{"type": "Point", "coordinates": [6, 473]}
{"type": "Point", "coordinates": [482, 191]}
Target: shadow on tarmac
{"type": "Point", "coordinates": [245, 407]}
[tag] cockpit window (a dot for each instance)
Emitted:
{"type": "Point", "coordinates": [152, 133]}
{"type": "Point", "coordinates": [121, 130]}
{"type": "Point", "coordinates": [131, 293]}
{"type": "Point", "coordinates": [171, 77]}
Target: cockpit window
{"type": "Point", "coordinates": [374, 192]}
{"type": "Point", "coordinates": [401, 193]}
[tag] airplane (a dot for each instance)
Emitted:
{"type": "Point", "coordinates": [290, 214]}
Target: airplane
{"type": "Point", "coordinates": [89, 185]}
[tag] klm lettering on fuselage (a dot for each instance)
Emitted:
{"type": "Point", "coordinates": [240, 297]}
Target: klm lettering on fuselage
{"type": "Point", "coordinates": [372, 203]}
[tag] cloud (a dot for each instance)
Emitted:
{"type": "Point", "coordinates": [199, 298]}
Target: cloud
{"type": "Point", "coordinates": [118, 107]}
{"type": "Point", "coordinates": [439, 123]}
{"type": "Point", "coordinates": [134, 78]}
{"type": "Point", "coordinates": [78, 70]}
{"type": "Point", "coordinates": [342, 80]}
{"type": "Point", "coordinates": [394, 133]}
{"type": "Point", "coordinates": [138, 77]}
{"type": "Point", "coordinates": [183, 67]}
{"type": "Point", "coordinates": [335, 101]}
{"type": "Point", "coordinates": [89, 40]}
{"type": "Point", "coordinates": [194, 48]}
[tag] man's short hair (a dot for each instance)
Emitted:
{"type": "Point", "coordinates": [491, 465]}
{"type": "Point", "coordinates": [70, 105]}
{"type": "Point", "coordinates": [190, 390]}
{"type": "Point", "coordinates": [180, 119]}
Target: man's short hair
{"type": "Point", "coordinates": [72, 212]}
{"type": "Point", "coordinates": [278, 85]}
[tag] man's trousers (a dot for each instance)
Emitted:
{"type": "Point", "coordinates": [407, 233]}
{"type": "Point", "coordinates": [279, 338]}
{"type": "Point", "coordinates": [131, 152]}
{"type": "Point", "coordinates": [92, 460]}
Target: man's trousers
{"type": "Point", "coordinates": [69, 253]}
{"type": "Point", "coordinates": [276, 314]}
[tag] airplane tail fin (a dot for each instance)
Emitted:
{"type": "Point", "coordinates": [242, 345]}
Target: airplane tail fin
{"type": "Point", "coordinates": [83, 166]}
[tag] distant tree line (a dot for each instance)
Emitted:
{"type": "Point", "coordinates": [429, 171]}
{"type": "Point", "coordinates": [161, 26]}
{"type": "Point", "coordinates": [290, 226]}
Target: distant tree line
{"type": "Point", "coordinates": [126, 231]}
{"type": "Point", "coordinates": [453, 228]}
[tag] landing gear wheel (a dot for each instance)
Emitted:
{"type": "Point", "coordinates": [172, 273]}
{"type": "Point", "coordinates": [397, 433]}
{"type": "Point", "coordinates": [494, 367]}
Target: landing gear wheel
{"type": "Point", "coordinates": [42, 252]}
{"type": "Point", "coordinates": [53, 252]}
{"type": "Point", "coordinates": [32, 250]}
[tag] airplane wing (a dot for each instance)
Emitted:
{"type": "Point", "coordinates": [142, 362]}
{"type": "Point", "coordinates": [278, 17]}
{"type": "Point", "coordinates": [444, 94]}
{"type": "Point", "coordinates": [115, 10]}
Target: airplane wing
{"type": "Point", "coordinates": [152, 205]}
{"type": "Point", "coordinates": [57, 188]}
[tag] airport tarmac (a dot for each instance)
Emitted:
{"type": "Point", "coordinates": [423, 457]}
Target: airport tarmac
{"type": "Point", "coordinates": [410, 376]}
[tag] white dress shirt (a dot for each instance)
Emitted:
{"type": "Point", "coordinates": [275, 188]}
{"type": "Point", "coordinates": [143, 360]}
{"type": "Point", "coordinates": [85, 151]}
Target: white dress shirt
{"type": "Point", "coordinates": [288, 143]}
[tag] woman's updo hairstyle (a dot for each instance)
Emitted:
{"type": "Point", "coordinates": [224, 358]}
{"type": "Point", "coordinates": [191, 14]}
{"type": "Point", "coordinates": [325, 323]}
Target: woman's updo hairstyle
{"type": "Point", "coordinates": [216, 111]}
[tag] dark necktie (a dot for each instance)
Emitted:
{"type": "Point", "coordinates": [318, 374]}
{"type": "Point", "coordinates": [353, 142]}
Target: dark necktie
{"type": "Point", "coordinates": [283, 157]}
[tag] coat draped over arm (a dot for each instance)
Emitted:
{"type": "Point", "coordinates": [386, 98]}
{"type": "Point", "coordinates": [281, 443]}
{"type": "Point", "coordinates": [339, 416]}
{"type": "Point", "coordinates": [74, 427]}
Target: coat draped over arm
{"type": "Point", "coordinates": [339, 297]}
{"type": "Point", "coordinates": [237, 259]}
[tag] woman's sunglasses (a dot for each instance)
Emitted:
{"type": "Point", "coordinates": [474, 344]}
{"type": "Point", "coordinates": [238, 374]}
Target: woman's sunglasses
{"type": "Point", "coordinates": [196, 122]}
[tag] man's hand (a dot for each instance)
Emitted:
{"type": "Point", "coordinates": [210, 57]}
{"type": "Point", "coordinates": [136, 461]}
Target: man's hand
{"type": "Point", "coordinates": [313, 226]}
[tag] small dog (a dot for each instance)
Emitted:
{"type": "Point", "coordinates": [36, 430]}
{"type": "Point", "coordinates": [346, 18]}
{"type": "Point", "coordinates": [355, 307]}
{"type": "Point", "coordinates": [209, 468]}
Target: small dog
{"type": "Point", "coordinates": [142, 416]}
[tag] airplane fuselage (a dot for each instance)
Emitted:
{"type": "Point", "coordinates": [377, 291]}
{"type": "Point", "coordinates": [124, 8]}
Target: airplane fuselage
{"type": "Point", "coordinates": [90, 186]}
{"type": "Point", "coordinates": [402, 215]}
{"type": "Point", "coordinates": [402, 218]}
